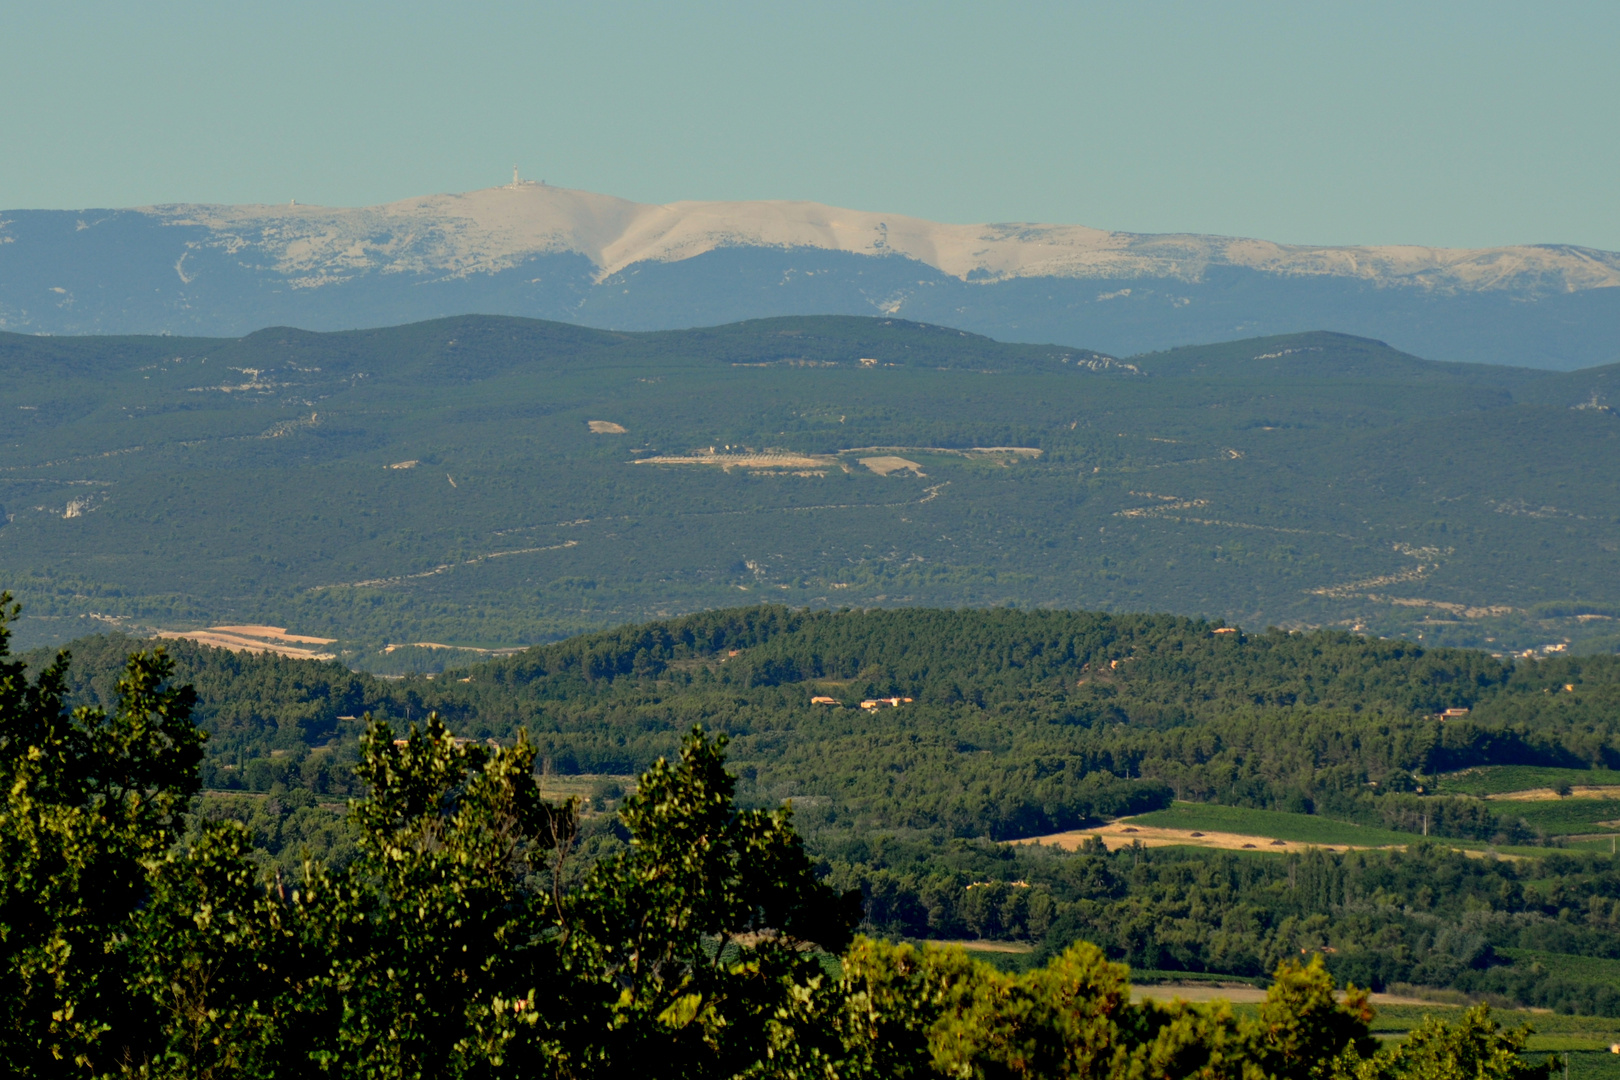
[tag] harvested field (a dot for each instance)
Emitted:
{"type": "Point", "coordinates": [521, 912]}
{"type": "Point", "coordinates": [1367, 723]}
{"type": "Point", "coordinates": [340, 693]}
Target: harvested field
{"type": "Point", "coordinates": [980, 945]}
{"type": "Point", "coordinates": [273, 633]}
{"type": "Point", "coordinates": [883, 466]}
{"type": "Point", "coordinates": [1584, 791]}
{"type": "Point", "coordinates": [254, 639]}
{"type": "Point", "coordinates": [459, 648]}
{"type": "Point", "coordinates": [605, 427]}
{"type": "Point", "coordinates": [1123, 834]}
{"type": "Point", "coordinates": [1244, 994]}
{"type": "Point", "coordinates": [745, 461]}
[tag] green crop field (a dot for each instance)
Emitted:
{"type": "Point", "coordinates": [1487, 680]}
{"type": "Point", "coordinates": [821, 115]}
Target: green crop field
{"type": "Point", "coordinates": [1586, 967]}
{"type": "Point", "coordinates": [1586, 1039]}
{"type": "Point", "coordinates": [1558, 817]}
{"type": "Point", "coordinates": [1304, 828]}
{"type": "Point", "coordinates": [1504, 779]}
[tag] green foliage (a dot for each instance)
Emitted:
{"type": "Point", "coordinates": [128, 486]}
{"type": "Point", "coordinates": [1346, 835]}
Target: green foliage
{"type": "Point", "coordinates": [206, 954]}
{"type": "Point", "coordinates": [1473, 1048]}
{"type": "Point", "coordinates": [689, 941]}
{"type": "Point", "coordinates": [457, 944]}
{"type": "Point", "coordinates": [91, 798]}
{"type": "Point", "coordinates": [1024, 723]}
{"type": "Point", "coordinates": [1541, 932]}
{"type": "Point", "coordinates": [432, 939]}
{"type": "Point", "coordinates": [911, 1012]}
{"type": "Point", "coordinates": [1308, 1033]}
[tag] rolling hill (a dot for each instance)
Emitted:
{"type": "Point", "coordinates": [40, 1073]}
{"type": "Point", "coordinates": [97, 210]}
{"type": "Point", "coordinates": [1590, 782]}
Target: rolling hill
{"type": "Point", "coordinates": [484, 482]}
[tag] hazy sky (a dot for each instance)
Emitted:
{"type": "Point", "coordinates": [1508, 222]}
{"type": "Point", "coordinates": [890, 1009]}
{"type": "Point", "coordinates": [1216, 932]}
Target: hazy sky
{"type": "Point", "coordinates": [1454, 124]}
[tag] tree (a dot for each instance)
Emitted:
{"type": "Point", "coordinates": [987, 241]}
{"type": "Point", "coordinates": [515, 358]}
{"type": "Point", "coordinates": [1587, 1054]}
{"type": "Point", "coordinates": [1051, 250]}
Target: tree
{"type": "Point", "coordinates": [437, 948]}
{"type": "Point", "coordinates": [1306, 1033]}
{"type": "Point", "coordinates": [1474, 1048]}
{"type": "Point", "coordinates": [213, 960]}
{"type": "Point", "coordinates": [694, 942]}
{"type": "Point", "coordinates": [90, 799]}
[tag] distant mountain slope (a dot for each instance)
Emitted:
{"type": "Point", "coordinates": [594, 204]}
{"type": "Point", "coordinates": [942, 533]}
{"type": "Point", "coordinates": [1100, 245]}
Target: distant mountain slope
{"type": "Point", "coordinates": [1590, 388]}
{"type": "Point", "coordinates": [500, 228]}
{"type": "Point", "coordinates": [1321, 355]}
{"type": "Point", "coordinates": [487, 482]}
{"type": "Point", "coordinates": [539, 251]}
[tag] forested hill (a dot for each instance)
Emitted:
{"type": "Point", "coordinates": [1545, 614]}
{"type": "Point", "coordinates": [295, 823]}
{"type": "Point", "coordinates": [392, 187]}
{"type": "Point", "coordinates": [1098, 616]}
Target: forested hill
{"type": "Point", "coordinates": [1018, 723]}
{"type": "Point", "coordinates": [1325, 355]}
{"type": "Point", "coordinates": [470, 348]}
{"type": "Point", "coordinates": [491, 483]}
{"type": "Point", "coordinates": [1199, 669]}
{"type": "Point", "coordinates": [1022, 724]}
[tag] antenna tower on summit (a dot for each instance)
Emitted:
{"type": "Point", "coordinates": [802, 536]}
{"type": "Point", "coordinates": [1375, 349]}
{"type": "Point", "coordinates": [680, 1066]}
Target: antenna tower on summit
{"type": "Point", "coordinates": [514, 176]}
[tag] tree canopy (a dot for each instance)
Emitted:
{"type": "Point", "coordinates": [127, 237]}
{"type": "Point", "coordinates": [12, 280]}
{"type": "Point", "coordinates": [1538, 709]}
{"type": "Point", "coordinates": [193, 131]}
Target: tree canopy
{"type": "Point", "coordinates": [462, 941]}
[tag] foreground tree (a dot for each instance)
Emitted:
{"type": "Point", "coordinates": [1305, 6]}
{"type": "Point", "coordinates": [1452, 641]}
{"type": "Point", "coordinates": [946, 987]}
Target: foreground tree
{"type": "Point", "coordinates": [435, 946]}
{"type": "Point", "coordinates": [91, 799]}
{"type": "Point", "coordinates": [688, 947]}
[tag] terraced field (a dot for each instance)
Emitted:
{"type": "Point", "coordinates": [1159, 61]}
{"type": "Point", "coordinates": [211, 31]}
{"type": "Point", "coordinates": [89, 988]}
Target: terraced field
{"type": "Point", "coordinates": [1518, 780]}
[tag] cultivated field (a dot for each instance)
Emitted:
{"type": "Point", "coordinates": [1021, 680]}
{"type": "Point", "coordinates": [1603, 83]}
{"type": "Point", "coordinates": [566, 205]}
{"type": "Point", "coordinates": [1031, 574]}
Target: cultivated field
{"type": "Point", "coordinates": [1236, 828]}
{"type": "Point", "coordinates": [883, 466]}
{"type": "Point", "coordinates": [255, 639]}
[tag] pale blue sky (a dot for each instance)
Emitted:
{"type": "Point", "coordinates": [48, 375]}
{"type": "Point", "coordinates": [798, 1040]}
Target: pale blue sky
{"type": "Point", "coordinates": [1368, 122]}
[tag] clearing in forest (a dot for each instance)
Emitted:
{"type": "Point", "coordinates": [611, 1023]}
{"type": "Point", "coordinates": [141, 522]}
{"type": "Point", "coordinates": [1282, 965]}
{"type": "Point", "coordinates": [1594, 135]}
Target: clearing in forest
{"type": "Point", "coordinates": [1235, 828]}
{"type": "Point", "coordinates": [745, 460]}
{"type": "Point", "coordinates": [255, 639]}
{"type": "Point", "coordinates": [883, 466]}
{"type": "Point", "coordinates": [1123, 834]}
{"type": "Point", "coordinates": [605, 427]}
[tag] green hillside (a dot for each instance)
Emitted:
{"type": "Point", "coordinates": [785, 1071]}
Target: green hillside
{"type": "Point", "coordinates": [1022, 724]}
{"type": "Point", "coordinates": [440, 483]}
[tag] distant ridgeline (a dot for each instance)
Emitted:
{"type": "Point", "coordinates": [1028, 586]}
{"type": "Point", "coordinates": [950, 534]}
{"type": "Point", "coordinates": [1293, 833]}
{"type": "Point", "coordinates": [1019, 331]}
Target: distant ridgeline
{"type": "Point", "coordinates": [405, 497]}
{"type": "Point", "coordinates": [538, 251]}
{"type": "Point", "coordinates": [1024, 724]}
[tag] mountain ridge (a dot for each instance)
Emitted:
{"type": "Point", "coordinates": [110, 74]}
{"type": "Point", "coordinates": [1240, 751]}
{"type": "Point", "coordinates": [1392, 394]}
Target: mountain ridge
{"type": "Point", "coordinates": [536, 251]}
{"type": "Point", "coordinates": [495, 228]}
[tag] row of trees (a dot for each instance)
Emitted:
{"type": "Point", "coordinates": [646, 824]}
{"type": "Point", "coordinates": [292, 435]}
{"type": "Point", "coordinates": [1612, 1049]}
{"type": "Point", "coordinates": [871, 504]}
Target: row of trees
{"type": "Point", "coordinates": [464, 940]}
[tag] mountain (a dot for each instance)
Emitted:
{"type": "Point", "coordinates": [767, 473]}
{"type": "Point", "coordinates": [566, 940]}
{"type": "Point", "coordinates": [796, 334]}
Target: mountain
{"type": "Point", "coordinates": [488, 482]}
{"type": "Point", "coordinates": [534, 250]}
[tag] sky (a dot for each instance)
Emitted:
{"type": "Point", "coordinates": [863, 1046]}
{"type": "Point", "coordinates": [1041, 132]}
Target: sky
{"type": "Point", "coordinates": [1463, 125]}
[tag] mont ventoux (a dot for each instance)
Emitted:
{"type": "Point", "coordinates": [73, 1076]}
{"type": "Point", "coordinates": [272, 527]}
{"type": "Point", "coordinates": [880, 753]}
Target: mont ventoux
{"type": "Point", "coordinates": [540, 251]}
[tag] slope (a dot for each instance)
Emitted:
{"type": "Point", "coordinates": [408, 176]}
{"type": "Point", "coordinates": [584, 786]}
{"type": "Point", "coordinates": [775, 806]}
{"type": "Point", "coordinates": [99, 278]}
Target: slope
{"type": "Point", "coordinates": [486, 483]}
